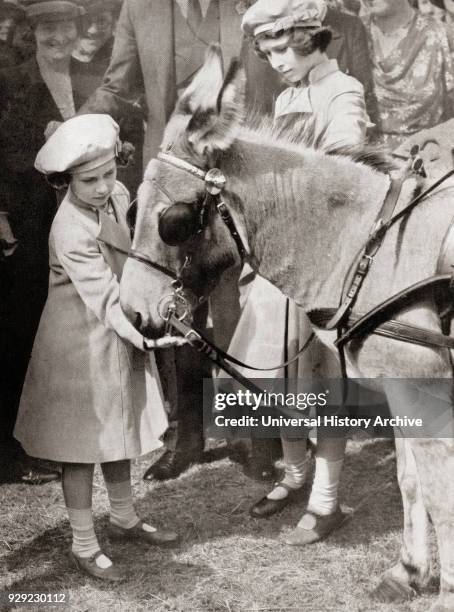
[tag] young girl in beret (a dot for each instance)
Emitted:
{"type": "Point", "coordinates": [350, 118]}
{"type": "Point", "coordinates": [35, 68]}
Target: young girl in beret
{"type": "Point", "coordinates": [324, 108]}
{"type": "Point", "coordinates": [92, 392]}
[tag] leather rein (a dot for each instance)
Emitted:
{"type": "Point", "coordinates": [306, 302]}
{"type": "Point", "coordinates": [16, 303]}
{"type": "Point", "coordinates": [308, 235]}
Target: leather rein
{"type": "Point", "coordinates": [175, 310]}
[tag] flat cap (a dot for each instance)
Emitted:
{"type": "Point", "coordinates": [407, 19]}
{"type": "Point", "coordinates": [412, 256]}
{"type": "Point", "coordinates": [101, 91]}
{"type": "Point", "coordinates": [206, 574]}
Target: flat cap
{"type": "Point", "coordinates": [79, 144]}
{"type": "Point", "coordinates": [279, 15]}
{"type": "Point", "coordinates": [51, 10]}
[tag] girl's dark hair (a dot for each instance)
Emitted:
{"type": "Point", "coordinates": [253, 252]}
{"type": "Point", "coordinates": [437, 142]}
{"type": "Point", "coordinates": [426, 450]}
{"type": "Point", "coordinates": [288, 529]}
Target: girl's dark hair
{"type": "Point", "coordinates": [59, 180]}
{"type": "Point", "coordinates": [304, 41]}
{"type": "Point", "coordinates": [125, 154]}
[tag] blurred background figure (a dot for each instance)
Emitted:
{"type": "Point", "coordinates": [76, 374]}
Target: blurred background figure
{"type": "Point", "coordinates": [32, 94]}
{"type": "Point", "coordinates": [96, 41]}
{"type": "Point", "coordinates": [433, 8]}
{"type": "Point", "coordinates": [24, 40]}
{"type": "Point", "coordinates": [347, 6]}
{"type": "Point", "coordinates": [349, 46]}
{"type": "Point", "coordinates": [91, 58]}
{"type": "Point", "coordinates": [412, 69]}
{"type": "Point", "coordinates": [10, 14]}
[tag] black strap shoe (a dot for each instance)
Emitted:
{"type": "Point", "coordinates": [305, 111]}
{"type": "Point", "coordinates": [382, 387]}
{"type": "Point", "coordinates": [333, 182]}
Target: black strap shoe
{"type": "Point", "coordinates": [266, 507]}
{"type": "Point", "coordinates": [171, 464]}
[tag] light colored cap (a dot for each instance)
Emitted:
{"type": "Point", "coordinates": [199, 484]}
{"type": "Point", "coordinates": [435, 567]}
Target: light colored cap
{"type": "Point", "coordinates": [51, 10]}
{"type": "Point", "coordinates": [279, 15]}
{"type": "Point", "coordinates": [79, 144]}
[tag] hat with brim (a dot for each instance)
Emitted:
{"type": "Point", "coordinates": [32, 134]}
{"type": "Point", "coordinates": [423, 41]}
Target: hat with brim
{"type": "Point", "coordinates": [274, 16]}
{"type": "Point", "coordinates": [9, 7]}
{"type": "Point", "coordinates": [51, 10]}
{"type": "Point", "coordinates": [80, 144]}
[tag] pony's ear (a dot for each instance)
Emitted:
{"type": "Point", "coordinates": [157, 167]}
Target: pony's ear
{"type": "Point", "coordinates": [203, 91]}
{"type": "Point", "coordinates": [216, 104]}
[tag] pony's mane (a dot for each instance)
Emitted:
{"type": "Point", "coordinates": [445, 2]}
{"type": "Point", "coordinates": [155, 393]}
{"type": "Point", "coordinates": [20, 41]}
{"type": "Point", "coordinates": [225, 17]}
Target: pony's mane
{"type": "Point", "coordinates": [262, 129]}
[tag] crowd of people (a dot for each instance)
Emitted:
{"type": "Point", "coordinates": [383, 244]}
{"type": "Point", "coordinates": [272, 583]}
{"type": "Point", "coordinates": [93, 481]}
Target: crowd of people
{"type": "Point", "coordinates": [340, 73]}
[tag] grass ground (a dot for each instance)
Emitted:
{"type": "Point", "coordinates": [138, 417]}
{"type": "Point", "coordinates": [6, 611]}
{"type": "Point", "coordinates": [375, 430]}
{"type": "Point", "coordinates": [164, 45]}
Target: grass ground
{"type": "Point", "coordinates": [227, 561]}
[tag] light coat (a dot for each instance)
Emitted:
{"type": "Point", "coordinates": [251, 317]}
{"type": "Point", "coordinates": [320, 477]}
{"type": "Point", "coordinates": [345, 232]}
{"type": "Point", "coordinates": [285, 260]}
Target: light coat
{"type": "Point", "coordinates": [90, 395]}
{"type": "Point", "coordinates": [330, 111]}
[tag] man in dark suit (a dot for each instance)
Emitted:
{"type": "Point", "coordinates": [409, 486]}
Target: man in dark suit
{"type": "Point", "coordinates": [162, 43]}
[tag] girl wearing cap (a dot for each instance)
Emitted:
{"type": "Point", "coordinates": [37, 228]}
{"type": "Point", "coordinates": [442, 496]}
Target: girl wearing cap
{"type": "Point", "coordinates": [324, 108]}
{"type": "Point", "coordinates": [92, 393]}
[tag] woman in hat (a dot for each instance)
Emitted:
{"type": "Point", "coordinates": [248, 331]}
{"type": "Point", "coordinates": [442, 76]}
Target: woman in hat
{"type": "Point", "coordinates": [37, 91]}
{"type": "Point", "coordinates": [92, 393]}
{"type": "Point", "coordinates": [324, 108]}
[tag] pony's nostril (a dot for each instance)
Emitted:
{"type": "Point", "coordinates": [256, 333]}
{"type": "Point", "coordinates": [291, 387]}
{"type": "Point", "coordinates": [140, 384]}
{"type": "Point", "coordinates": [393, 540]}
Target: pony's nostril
{"type": "Point", "coordinates": [138, 323]}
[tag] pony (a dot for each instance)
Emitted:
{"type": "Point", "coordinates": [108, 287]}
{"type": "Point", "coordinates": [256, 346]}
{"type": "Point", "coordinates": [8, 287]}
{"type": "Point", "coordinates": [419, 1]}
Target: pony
{"type": "Point", "coordinates": [303, 215]}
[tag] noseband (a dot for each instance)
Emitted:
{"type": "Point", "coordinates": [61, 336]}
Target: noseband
{"type": "Point", "coordinates": [177, 304]}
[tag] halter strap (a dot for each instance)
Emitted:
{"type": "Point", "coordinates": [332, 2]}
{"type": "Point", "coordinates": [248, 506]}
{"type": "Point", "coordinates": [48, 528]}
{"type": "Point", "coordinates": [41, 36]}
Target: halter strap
{"type": "Point", "coordinates": [182, 165]}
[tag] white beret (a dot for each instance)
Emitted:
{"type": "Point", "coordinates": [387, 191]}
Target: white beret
{"type": "Point", "coordinates": [79, 144]}
{"type": "Point", "coordinates": [280, 15]}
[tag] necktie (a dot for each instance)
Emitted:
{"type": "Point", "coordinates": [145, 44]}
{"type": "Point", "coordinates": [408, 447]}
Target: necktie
{"type": "Point", "coordinates": [194, 18]}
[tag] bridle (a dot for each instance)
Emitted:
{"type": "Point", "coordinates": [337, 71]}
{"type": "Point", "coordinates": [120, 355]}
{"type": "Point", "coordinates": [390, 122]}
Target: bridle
{"type": "Point", "coordinates": [176, 306]}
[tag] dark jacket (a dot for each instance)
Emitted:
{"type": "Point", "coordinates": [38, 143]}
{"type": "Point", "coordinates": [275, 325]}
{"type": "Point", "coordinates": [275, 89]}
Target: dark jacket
{"type": "Point", "coordinates": [26, 107]}
{"type": "Point", "coordinates": [349, 46]}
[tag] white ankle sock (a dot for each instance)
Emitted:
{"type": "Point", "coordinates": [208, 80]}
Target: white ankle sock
{"type": "Point", "coordinates": [295, 477]}
{"type": "Point", "coordinates": [323, 499]}
{"type": "Point", "coordinates": [122, 511]}
{"type": "Point", "coordinates": [85, 543]}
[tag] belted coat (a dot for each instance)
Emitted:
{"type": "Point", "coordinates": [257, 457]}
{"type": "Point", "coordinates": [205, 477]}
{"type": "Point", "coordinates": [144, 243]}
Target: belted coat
{"type": "Point", "coordinates": [90, 395]}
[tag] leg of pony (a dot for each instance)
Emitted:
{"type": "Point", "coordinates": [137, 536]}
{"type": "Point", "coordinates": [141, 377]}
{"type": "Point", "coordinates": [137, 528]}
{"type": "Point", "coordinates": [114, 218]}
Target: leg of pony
{"type": "Point", "coordinates": [435, 463]}
{"type": "Point", "coordinates": [433, 454]}
{"type": "Point", "coordinates": [413, 567]}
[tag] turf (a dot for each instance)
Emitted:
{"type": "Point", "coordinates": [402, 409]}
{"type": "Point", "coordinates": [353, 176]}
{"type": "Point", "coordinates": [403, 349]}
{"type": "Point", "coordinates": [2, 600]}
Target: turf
{"type": "Point", "coordinates": [226, 561]}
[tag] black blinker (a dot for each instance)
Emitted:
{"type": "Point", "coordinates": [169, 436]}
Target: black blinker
{"type": "Point", "coordinates": [179, 223]}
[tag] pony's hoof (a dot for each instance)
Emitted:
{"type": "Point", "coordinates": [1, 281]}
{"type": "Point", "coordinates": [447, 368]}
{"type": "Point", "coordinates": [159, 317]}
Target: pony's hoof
{"type": "Point", "coordinates": [389, 590]}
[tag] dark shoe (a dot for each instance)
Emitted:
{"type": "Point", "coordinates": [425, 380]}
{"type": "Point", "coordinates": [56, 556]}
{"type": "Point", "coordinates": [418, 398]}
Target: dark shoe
{"type": "Point", "coordinates": [267, 507]}
{"type": "Point", "coordinates": [171, 464]}
{"type": "Point", "coordinates": [89, 566]}
{"type": "Point", "coordinates": [160, 537]}
{"type": "Point", "coordinates": [315, 527]}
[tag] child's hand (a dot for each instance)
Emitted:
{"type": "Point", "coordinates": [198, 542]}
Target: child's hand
{"type": "Point", "coordinates": [164, 342]}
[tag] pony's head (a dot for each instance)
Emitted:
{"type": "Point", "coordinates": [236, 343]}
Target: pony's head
{"type": "Point", "coordinates": [178, 232]}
